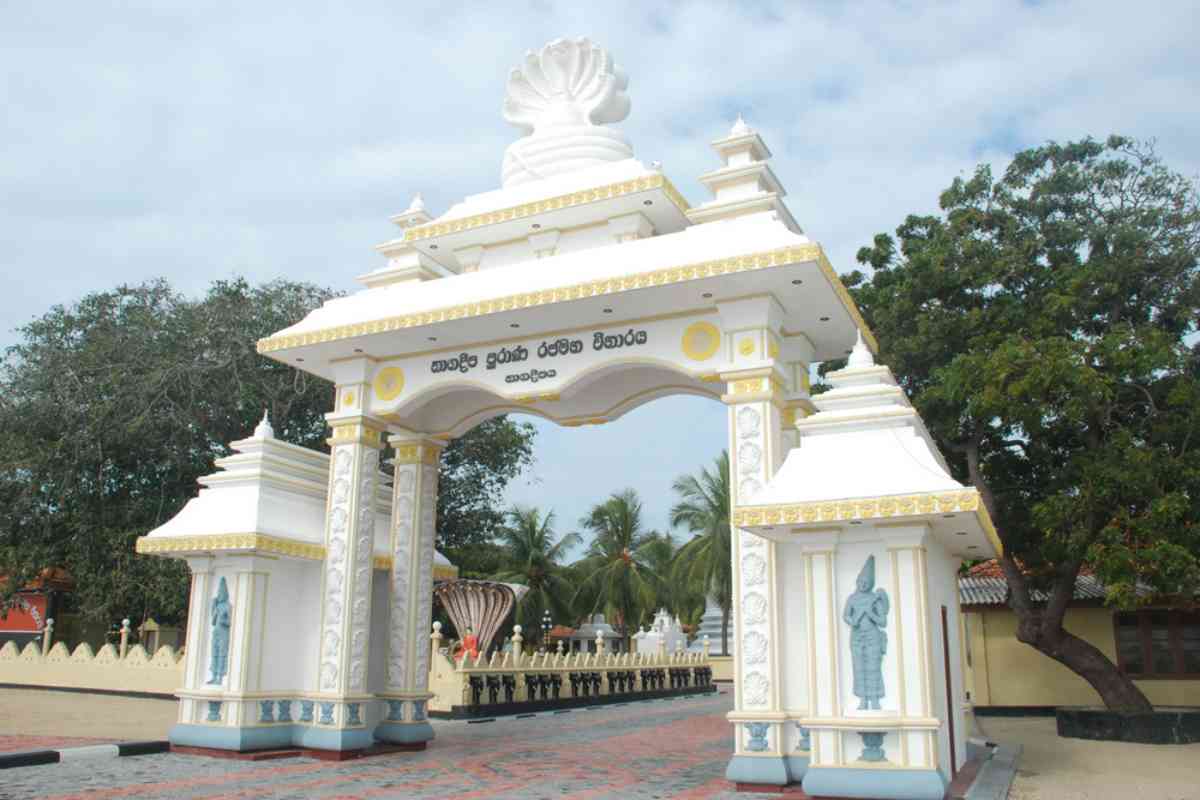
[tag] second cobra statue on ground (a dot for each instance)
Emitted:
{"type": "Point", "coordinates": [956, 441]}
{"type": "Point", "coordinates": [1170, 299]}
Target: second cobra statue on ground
{"type": "Point", "coordinates": [866, 613]}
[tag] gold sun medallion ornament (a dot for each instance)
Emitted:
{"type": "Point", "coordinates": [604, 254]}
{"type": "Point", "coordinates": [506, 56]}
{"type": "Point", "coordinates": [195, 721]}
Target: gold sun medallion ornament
{"type": "Point", "coordinates": [746, 347]}
{"type": "Point", "coordinates": [389, 382]}
{"type": "Point", "coordinates": [701, 340]}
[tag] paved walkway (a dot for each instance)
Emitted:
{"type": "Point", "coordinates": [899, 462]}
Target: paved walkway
{"type": "Point", "coordinates": [657, 749]}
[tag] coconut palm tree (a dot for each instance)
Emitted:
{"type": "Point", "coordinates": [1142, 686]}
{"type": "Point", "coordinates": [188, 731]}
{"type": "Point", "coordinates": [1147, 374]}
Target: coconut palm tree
{"type": "Point", "coordinates": [616, 568]}
{"type": "Point", "coordinates": [704, 562]}
{"type": "Point", "coordinates": [533, 558]}
{"type": "Point", "coordinates": [659, 551]}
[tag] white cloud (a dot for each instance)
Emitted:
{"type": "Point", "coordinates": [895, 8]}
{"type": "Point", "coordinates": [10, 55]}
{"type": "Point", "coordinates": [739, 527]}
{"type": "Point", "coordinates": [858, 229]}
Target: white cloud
{"type": "Point", "coordinates": [273, 139]}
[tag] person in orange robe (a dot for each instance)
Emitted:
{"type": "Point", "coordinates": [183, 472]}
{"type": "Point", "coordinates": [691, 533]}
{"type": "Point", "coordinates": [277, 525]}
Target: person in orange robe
{"type": "Point", "coordinates": [469, 646]}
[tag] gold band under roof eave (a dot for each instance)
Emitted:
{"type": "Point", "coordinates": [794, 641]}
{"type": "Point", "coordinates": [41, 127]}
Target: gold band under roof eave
{"type": "Point", "coordinates": [890, 507]}
{"type": "Point", "coordinates": [258, 543]}
{"type": "Point", "coordinates": [810, 251]}
{"type": "Point", "coordinates": [525, 210]}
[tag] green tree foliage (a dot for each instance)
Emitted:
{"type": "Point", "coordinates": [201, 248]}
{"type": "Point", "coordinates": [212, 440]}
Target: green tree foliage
{"type": "Point", "coordinates": [109, 411]}
{"type": "Point", "coordinates": [474, 470]}
{"type": "Point", "coordinates": [615, 570]}
{"type": "Point", "coordinates": [704, 563]}
{"type": "Point", "coordinates": [534, 554]}
{"type": "Point", "coordinates": [1041, 326]}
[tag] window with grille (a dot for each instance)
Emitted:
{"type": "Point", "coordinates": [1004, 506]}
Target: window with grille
{"type": "Point", "coordinates": [1158, 643]}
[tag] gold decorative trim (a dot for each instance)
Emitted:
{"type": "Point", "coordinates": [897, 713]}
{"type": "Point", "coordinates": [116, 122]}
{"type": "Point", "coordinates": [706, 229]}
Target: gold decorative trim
{"type": "Point", "coordinates": [423, 453]}
{"type": "Point", "coordinates": [355, 432]}
{"type": "Point", "coordinates": [582, 197]}
{"type": "Point", "coordinates": [746, 347]}
{"type": "Point", "coordinates": [886, 507]}
{"type": "Point", "coordinates": [389, 383]}
{"type": "Point", "coordinates": [701, 340]}
{"type": "Point", "coordinates": [231, 542]}
{"type": "Point", "coordinates": [661, 277]}
{"type": "Point", "coordinates": [441, 572]}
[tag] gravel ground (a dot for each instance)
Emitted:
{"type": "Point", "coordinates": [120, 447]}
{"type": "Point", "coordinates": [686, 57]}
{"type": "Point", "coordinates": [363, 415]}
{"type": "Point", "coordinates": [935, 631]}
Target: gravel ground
{"type": "Point", "coordinates": [28, 713]}
{"type": "Point", "coordinates": [1054, 768]}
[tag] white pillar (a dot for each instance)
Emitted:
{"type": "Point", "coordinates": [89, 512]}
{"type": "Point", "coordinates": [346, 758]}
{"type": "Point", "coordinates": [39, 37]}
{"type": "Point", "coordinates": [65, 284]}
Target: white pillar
{"type": "Point", "coordinates": [413, 529]}
{"type": "Point", "coordinates": [339, 716]}
{"type": "Point", "coordinates": [756, 398]}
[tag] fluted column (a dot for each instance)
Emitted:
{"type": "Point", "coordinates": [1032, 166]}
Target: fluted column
{"type": "Point", "coordinates": [756, 399]}
{"type": "Point", "coordinates": [413, 529]}
{"type": "Point", "coordinates": [338, 719]}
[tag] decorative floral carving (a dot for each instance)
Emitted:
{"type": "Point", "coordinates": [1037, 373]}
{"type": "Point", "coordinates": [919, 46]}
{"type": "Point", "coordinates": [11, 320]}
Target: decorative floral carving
{"type": "Point", "coordinates": [748, 420]}
{"type": "Point", "coordinates": [754, 569]}
{"type": "Point", "coordinates": [751, 541]}
{"type": "Point", "coordinates": [749, 456]}
{"type": "Point", "coordinates": [758, 737]}
{"type": "Point", "coordinates": [754, 648]}
{"type": "Point", "coordinates": [755, 688]}
{"type": "Point", "coordinates": [748, 488]}
{"type": "Point", "coordinates": [754, 609]}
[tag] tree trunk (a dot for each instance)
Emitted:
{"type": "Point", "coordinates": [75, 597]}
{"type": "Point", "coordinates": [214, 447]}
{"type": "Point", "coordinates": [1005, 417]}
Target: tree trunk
{"type": "Point", "coordinates": [1047, 635]}
{"type": "Point", "coordinates": [1041, 627]}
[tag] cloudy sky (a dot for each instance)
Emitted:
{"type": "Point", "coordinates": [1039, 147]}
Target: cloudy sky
{"type": "Point", "coordinates": [203, 140]}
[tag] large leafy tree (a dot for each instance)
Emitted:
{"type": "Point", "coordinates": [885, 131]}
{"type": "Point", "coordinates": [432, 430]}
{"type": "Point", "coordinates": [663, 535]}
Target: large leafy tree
{"type": "Point", "coordinates": [533, 556]}
{"type": "Point", "coordinates": [1041, 324]}
{"type": "Point", "coordinates": [111, 408]}
{"type": "Point", "coordinates": [704, 563]}
{"type": "Point", "coordinates": [475, 469]}
{"type": "Point", "coordinates": [616, 571]}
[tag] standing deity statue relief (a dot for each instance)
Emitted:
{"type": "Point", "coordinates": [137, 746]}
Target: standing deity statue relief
{"type": "Point", "coordinates": [866, 613]}
{"type": "Point", "coordinates": [221, 613]}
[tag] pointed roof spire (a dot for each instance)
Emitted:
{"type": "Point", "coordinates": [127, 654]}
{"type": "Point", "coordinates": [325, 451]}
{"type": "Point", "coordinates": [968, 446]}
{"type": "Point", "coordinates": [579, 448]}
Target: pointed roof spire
{"type": "Point", "coordinates": [860, 356]}
{"type": "Point", "coordinates": [740, 128]}
{"type": "Point", "coordinates": [417, 204]}
{"type": "Point", "coordinates": [264, 430]}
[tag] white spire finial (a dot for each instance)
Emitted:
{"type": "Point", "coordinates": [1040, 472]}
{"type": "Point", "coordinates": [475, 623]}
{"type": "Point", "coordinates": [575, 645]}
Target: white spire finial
{"type": "Point", "coordinates": [264, 429]}
{"type": "Point", "coordinates": [860, 356]}
{"type": "Point", "coordinates": [740, 127]}
{"type": "Point", "coordinates": [417, 204]}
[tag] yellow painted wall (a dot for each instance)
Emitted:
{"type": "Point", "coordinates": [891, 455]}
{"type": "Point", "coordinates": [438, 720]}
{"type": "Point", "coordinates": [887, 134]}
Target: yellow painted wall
{"type": "Point", "coordinates": [1005, 672]}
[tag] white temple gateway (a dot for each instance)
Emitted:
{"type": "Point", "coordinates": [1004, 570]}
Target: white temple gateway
{"type": "Point", "coordinates": [583, 288]}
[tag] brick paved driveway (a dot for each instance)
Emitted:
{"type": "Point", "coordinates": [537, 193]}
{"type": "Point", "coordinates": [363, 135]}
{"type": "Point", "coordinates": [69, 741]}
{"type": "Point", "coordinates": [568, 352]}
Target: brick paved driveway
{"type": "Point", "coordinates": [658, 749]}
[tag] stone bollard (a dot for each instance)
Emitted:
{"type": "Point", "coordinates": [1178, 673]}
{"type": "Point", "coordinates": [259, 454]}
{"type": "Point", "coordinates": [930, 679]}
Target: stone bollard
{"type": "Point", "coordinates": [47, 635]}
{"type": "Point", "coordinates": [124, 637]}
{"type": "Point", "coordinates": [516, 644]}
{"type": "Point", "coordinates": [706, 645]}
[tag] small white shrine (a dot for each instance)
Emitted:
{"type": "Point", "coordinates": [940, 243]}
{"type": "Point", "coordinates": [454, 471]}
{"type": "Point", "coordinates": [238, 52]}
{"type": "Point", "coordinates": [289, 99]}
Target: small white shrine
{"type": "Point", "coordinates": [584, 287]}
{"type": "Point", "coordinates": [664, 635]}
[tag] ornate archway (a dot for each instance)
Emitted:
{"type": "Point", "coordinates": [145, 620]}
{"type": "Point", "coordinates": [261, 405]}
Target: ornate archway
{"type": "Point", "coordinates": [585, 287]}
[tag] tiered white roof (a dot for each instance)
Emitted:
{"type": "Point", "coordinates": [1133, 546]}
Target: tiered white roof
{"type": "Point", "coordinates": [867, 455]}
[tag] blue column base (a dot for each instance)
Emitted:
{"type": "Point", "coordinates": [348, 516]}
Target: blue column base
{"type": "Point", "coordinates": [220, 737]}
{"type": "Point", "coordinates": [797, 766]}
{"type": "Point", "coordinates": [404, 732]}
{"type": "Point", "coordinates": [770, 770]}
{"type": "Point", "coordinates": [877, 784]}
{"type": "Point", "coordinates": [321, 738]}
